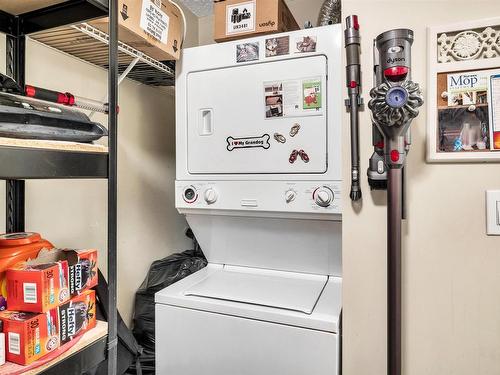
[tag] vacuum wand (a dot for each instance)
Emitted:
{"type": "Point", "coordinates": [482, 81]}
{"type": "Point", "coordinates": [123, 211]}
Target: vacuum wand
{"type": "Point", "coordinates": [354, 102]}
{"type": "Point", "coordinates": [394, 104]}
{"type": "Point", "coordinates": [66, 98]}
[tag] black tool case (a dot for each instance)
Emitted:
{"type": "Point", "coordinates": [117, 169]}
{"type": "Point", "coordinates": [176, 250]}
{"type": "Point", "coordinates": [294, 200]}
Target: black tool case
{"type": "Point", "coordinates": [26, 118]}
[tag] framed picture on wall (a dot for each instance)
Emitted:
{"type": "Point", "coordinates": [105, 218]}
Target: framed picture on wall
{"type": "Point", "coordinates": [463, 101]}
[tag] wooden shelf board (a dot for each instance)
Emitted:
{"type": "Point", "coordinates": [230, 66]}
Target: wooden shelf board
{"type": "Point", "coordinates": [23, 6]}
{"type": "Point", "coordinates": [88, 338]}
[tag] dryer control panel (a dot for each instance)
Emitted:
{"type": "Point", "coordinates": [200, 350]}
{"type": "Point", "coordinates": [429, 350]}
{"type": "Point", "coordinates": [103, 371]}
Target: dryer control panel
{"type": "Point", "coordinates": [272, 196]}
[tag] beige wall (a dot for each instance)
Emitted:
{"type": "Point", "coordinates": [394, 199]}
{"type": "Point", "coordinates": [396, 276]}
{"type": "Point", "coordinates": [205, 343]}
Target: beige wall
{"type": "Point", "coordinates": [74, 213]}
{"type": "Point", "coordinates": [451, 271]}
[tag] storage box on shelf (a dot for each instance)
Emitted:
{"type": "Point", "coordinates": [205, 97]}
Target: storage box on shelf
{"type": "Point", "coordinates": [152, 27]}
{"type": "Point", "coordinates": [51, 279]}
{"type": "Point", "coordinates": [236, 19]}
{"type": "Point", "coordinates": [31, 336]}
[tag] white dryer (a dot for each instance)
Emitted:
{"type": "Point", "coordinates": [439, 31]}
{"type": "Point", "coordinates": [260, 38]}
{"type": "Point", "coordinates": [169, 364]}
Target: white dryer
{"type": "Point", "coordinates": [259, 181]}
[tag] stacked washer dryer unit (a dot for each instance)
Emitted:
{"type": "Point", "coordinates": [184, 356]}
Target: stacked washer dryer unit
{"type": "Point", "coordinates": [259, 182]}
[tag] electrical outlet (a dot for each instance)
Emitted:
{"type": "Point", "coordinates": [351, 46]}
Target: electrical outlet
{"type": "Point", "coordinates": [493, 212]}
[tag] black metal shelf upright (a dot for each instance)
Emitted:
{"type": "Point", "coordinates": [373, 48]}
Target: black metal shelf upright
{"type": "Point", "coordinates": [18, 164]}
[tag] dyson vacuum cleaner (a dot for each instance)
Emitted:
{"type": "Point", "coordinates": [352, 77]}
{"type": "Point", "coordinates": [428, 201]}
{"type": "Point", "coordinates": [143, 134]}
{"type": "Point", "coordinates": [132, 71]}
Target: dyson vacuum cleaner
{"type": "Point", "coordinates": [394, 104]}
{"type": "Point", "coordinates": [354, 102]}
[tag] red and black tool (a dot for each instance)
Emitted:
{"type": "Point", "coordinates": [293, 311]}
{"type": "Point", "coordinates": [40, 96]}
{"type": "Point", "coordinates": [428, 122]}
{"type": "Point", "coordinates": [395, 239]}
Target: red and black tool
{"type": "Point", "coordinates": [65, 98]}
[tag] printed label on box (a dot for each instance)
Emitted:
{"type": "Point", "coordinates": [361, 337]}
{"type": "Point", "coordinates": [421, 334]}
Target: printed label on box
{"type": "Point", "coordinates": [71, 321]}
{"type": "Point", "coordinates": [240, 18]}
{"type": "Point", "coordinates": [14, 343]}
{"type": "Point", "coordinates": [154, 21]}
{"type": "Point", "coordinates": [29, 292]}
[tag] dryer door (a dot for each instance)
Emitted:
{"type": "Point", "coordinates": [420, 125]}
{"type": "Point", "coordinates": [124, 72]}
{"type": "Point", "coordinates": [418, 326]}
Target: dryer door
{"type": "Point", "coordinates": [249, 119]}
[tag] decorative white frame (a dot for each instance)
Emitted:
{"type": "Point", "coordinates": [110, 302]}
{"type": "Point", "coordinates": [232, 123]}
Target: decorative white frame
{"type": "Point", "coordinates": [433, 68]}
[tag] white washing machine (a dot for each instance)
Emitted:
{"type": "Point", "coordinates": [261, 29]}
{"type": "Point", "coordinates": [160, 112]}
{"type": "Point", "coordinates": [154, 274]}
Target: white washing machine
{"type": "Point", "coordinates": [259, 181]}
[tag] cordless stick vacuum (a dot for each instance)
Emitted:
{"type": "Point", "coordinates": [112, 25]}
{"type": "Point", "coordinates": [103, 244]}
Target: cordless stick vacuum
{"type": "Point", "coordinates": [394, 104]}
{"type": "Point", "coordinates": [354, 102]}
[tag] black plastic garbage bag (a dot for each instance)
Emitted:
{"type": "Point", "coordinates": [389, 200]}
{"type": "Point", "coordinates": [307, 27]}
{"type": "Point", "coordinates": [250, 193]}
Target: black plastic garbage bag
{"type": "Point", "coordinates": [161, 274]}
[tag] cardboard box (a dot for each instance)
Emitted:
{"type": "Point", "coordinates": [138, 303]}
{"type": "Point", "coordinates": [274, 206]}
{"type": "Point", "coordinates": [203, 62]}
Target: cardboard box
{"type": "Point", "coordinates": [236, 19]}
{"type": "Point", "coordinates": [82, 269]}
{"type": "Point", "coordinates": [51, 279]}
{"type": "Point", "coordinates": [30, 336]}
{"type": "Point", "coordinates": [76, 316]}
{"type": "Point", "coordinates": [150, 26]}
{"type": "Point", "coordinates": [37, 287]}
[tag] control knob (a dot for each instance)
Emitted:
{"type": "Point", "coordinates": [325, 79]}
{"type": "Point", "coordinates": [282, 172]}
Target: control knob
{"type": "Point", "coordinates": [210, 196]}
{"type": "Point", "coordinates": [323, 196]}
{"type": "Point", "coordinates": [190, 194]}
{"type": "Point", "coordinates": [290, 196]}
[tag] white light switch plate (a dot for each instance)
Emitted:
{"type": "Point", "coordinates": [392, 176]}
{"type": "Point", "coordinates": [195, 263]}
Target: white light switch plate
{"type": "Point", "coordinates": [493, 212]}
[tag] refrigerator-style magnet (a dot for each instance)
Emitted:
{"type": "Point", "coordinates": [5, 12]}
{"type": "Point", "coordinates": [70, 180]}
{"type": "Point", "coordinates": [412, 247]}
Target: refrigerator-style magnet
{"type": "Point", "coordinates": [294, 130]}
{"type": "Point", "coordinates": [303, 155]}
{"type": "Point", "coordinates": [247, 52]}
{"type": "Point", "coordinates": [279, 138]}
{"type": "Point", "coordinates": [293, 156]}
{"type": "Point", "coordinates": [248, 142]}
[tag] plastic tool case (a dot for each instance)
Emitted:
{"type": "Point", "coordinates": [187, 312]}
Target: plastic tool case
{"type": "Point", "coordinates": [26, 118]}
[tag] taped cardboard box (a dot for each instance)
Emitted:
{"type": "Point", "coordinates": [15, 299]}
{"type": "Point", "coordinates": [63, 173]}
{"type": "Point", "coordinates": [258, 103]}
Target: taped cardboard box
{"type": "Point", "coordinates": [236, 19]}
{"type": "Point", "coordinates": [150, 26]}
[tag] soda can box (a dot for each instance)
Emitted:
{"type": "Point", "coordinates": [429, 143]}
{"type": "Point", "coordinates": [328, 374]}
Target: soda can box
{"type": "Point", "coordinates": [34, 287]}
{"type": "Point", "coordinates": [50, 279]}
{"type": "Point", "coordinates": [29, 336]}
{"type": "Point", "coordinates": [77, 316]}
